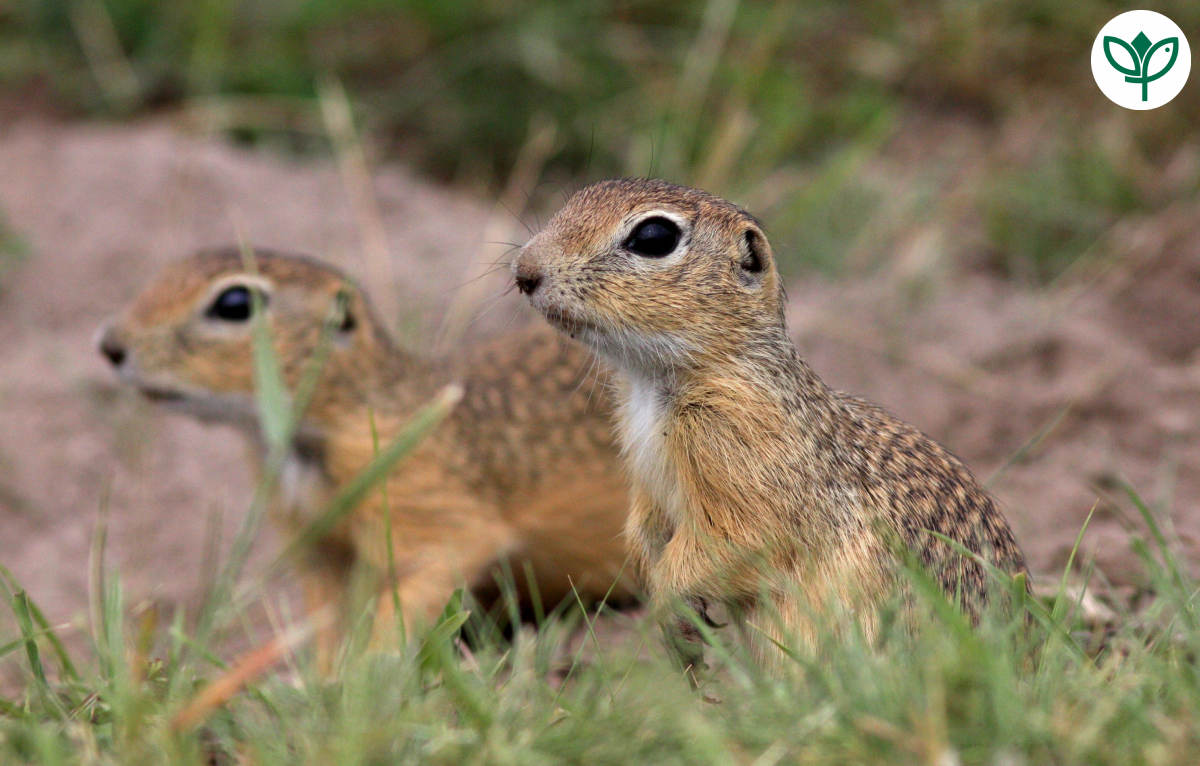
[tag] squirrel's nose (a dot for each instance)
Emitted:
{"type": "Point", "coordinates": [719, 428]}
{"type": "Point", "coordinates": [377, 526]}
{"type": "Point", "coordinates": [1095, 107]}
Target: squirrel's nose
{"type": "Point", "coordinates": [111, 346]}
{"type": "Point", "coordinates": [527, 278]}
{"type": "Point", "coordinates": [527, 284]}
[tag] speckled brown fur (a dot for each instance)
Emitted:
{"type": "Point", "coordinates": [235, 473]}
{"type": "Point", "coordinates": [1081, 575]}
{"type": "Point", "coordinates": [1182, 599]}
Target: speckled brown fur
{"type": "Point", "coordinates": [748, 471]}
{"type": "Point", "coordinates": [524, 469]}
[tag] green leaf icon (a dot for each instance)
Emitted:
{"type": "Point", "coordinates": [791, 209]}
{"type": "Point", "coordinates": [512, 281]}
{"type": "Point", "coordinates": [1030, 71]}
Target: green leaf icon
{"type": "Point", "coordinates": [1141, 51]}
{"type": "Point", "coordinates": [1171, 41]}
{"type": "Point", "coordinates": [1140, 44]}
{"type": "Point", "coordinates": [1137, 60]}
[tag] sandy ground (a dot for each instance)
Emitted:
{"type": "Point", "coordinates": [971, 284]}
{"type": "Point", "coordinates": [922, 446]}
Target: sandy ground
{"type": "Point", "coordinates": [1104, 369]}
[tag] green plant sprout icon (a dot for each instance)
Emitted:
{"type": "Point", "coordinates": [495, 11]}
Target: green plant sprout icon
{"type": "Point", "coordinates": [1141, 51]}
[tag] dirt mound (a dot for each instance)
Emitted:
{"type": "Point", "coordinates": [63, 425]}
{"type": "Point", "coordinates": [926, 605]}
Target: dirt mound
{"type": "Point", "coordinates": [1087, 385]}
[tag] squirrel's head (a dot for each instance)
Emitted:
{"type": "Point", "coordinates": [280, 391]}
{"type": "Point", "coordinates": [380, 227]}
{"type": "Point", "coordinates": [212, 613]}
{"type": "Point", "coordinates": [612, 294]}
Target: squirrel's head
{"type": "Point", "coordinates": [653, 275]}
{"type": "Point", "coordinates": [188, 339]}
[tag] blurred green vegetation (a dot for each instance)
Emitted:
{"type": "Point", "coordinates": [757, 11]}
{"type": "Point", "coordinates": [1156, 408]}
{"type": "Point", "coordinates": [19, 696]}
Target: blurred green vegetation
{"type": "Point", "coordinates": [13, 251]}
{"type": "Point", "coordinates": [1044, 216]}
{"type": "Point", "coordinates": [783, 106]}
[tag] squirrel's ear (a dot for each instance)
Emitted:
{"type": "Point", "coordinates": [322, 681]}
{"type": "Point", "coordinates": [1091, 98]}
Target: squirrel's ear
{"type": "Point", "coordinates": [753, 256]}
{"type": "Point", "coordinates": [346, 311]}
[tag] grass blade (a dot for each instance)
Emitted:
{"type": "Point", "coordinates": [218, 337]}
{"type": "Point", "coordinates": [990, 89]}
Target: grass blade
{"type": "Point", "coordinates": [1169, 560]}
{"type": "Point", "coordinates": [392, 580]}
{"type": "Point", "coordinates": [437, 654]}
{"type": "Point", "coordinates": [246, 669]}
{"type": "Point", "coordinates": [1039, 612]}
{"type": "Point", "coordinates": [356, 491]}
{"type": "Point", "coordinates": [270, 391]}
{"type": "Point", "coordinates": [65, 664]}
{"type": "Point", "coordinates": [29, 638]}
{"type": "Point", "coordinates": [1062, 588]}
{"type": "Point", "coordinates": [452, 618]}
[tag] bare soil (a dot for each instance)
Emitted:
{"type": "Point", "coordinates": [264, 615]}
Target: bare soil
{"type": "Point", "coordinates": [1086, 385]}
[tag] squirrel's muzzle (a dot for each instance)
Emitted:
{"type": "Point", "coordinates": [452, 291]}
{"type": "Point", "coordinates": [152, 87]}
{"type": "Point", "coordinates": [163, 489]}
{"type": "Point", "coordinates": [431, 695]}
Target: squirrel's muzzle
{"type": "Point", "coordinates": [527, 276]}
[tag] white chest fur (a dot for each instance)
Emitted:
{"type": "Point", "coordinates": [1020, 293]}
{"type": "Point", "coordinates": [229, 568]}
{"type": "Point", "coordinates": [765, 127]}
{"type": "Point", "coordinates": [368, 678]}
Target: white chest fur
{"type": "Point", "coordinates": [642, 430]}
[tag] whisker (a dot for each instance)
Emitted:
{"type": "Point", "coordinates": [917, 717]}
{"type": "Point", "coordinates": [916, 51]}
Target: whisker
{"type": "Point", "coordinates": [516, 312]}
{"type": "Point", "coordinates": [593, 363]}
{"type": "Point", "coordinates": [595, 378]}
{"type": "Point", "coordinates": [490, 306]}
{"type": "Point", "coordinates": [588, 362]}
{"type": "Point", "coordinates": [606, 371]}
{"type": "Point", "coordinates": [520, 220]}
{"type": "Point", "coordinates": [532, 209]}
{"type": "Point", "coordinates": [504, 294]}
{"type": "Point", "coordinates": [496, 270]}
{"type": "Point", "coordinates": [562, 189]}
{"type": "Point", "coordinates": [512, 245]}
{"type": "Point", "coordinates": [500, 261]}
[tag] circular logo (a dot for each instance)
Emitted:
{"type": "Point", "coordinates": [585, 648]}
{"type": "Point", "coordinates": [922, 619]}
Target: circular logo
{"type": "Point", "coordinates": [1141, 60]}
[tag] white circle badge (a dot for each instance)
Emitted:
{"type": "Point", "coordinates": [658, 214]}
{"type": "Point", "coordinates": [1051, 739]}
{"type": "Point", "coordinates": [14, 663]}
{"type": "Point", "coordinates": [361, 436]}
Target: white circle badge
{"type": "Point", "coordinates": [1141, 60]}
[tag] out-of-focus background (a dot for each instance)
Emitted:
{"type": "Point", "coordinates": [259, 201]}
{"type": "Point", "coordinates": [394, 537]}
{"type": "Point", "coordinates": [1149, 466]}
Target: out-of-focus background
{"type": "Point", "coordinates": [973, 235]}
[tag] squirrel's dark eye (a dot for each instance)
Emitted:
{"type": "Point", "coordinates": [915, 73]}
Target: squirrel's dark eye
{"type": "Point", "coordinates": [233, 305]}
{"type": "Point", "coordinates": [654, 238]}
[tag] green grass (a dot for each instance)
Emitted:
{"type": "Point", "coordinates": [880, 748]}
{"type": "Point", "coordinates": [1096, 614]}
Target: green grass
{"type": "Point", "coordinates": [13, 252]}
{"type": "Point", "coordinates": [1042, 685]}
{"type": "Point", "coordinates": [1050, 691]}
{"type": "Point", "coordinates": [1042, 217]}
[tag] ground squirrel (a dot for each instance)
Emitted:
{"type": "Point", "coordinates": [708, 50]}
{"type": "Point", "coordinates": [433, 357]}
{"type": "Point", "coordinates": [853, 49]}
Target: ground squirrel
{"type": "Point", "coordinates": [750, 475]}
{"type": "Point", "coordinates": [524, 469]}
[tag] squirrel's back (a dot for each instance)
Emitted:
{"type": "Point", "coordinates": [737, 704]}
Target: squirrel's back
{"type": "Point", "coordinates": [923, 488]}
{"type": "Point", "coordinates": [536, 406]}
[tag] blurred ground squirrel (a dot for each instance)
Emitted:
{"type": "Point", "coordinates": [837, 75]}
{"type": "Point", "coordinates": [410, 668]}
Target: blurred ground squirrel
{"type": "Point", "coordinates": [524, 469]}
{"type": "Point", "coordinates": [749, 474]}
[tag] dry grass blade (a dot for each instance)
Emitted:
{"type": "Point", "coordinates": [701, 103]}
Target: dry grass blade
{"type": "Point", "coordinates": [698, 70]}
{"type": "Point", "coordinates": [247, 668]}
{"type": "Point", "coordinates": [102, 47]}
{"type": "Point", "coordinates": [352, 160]}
